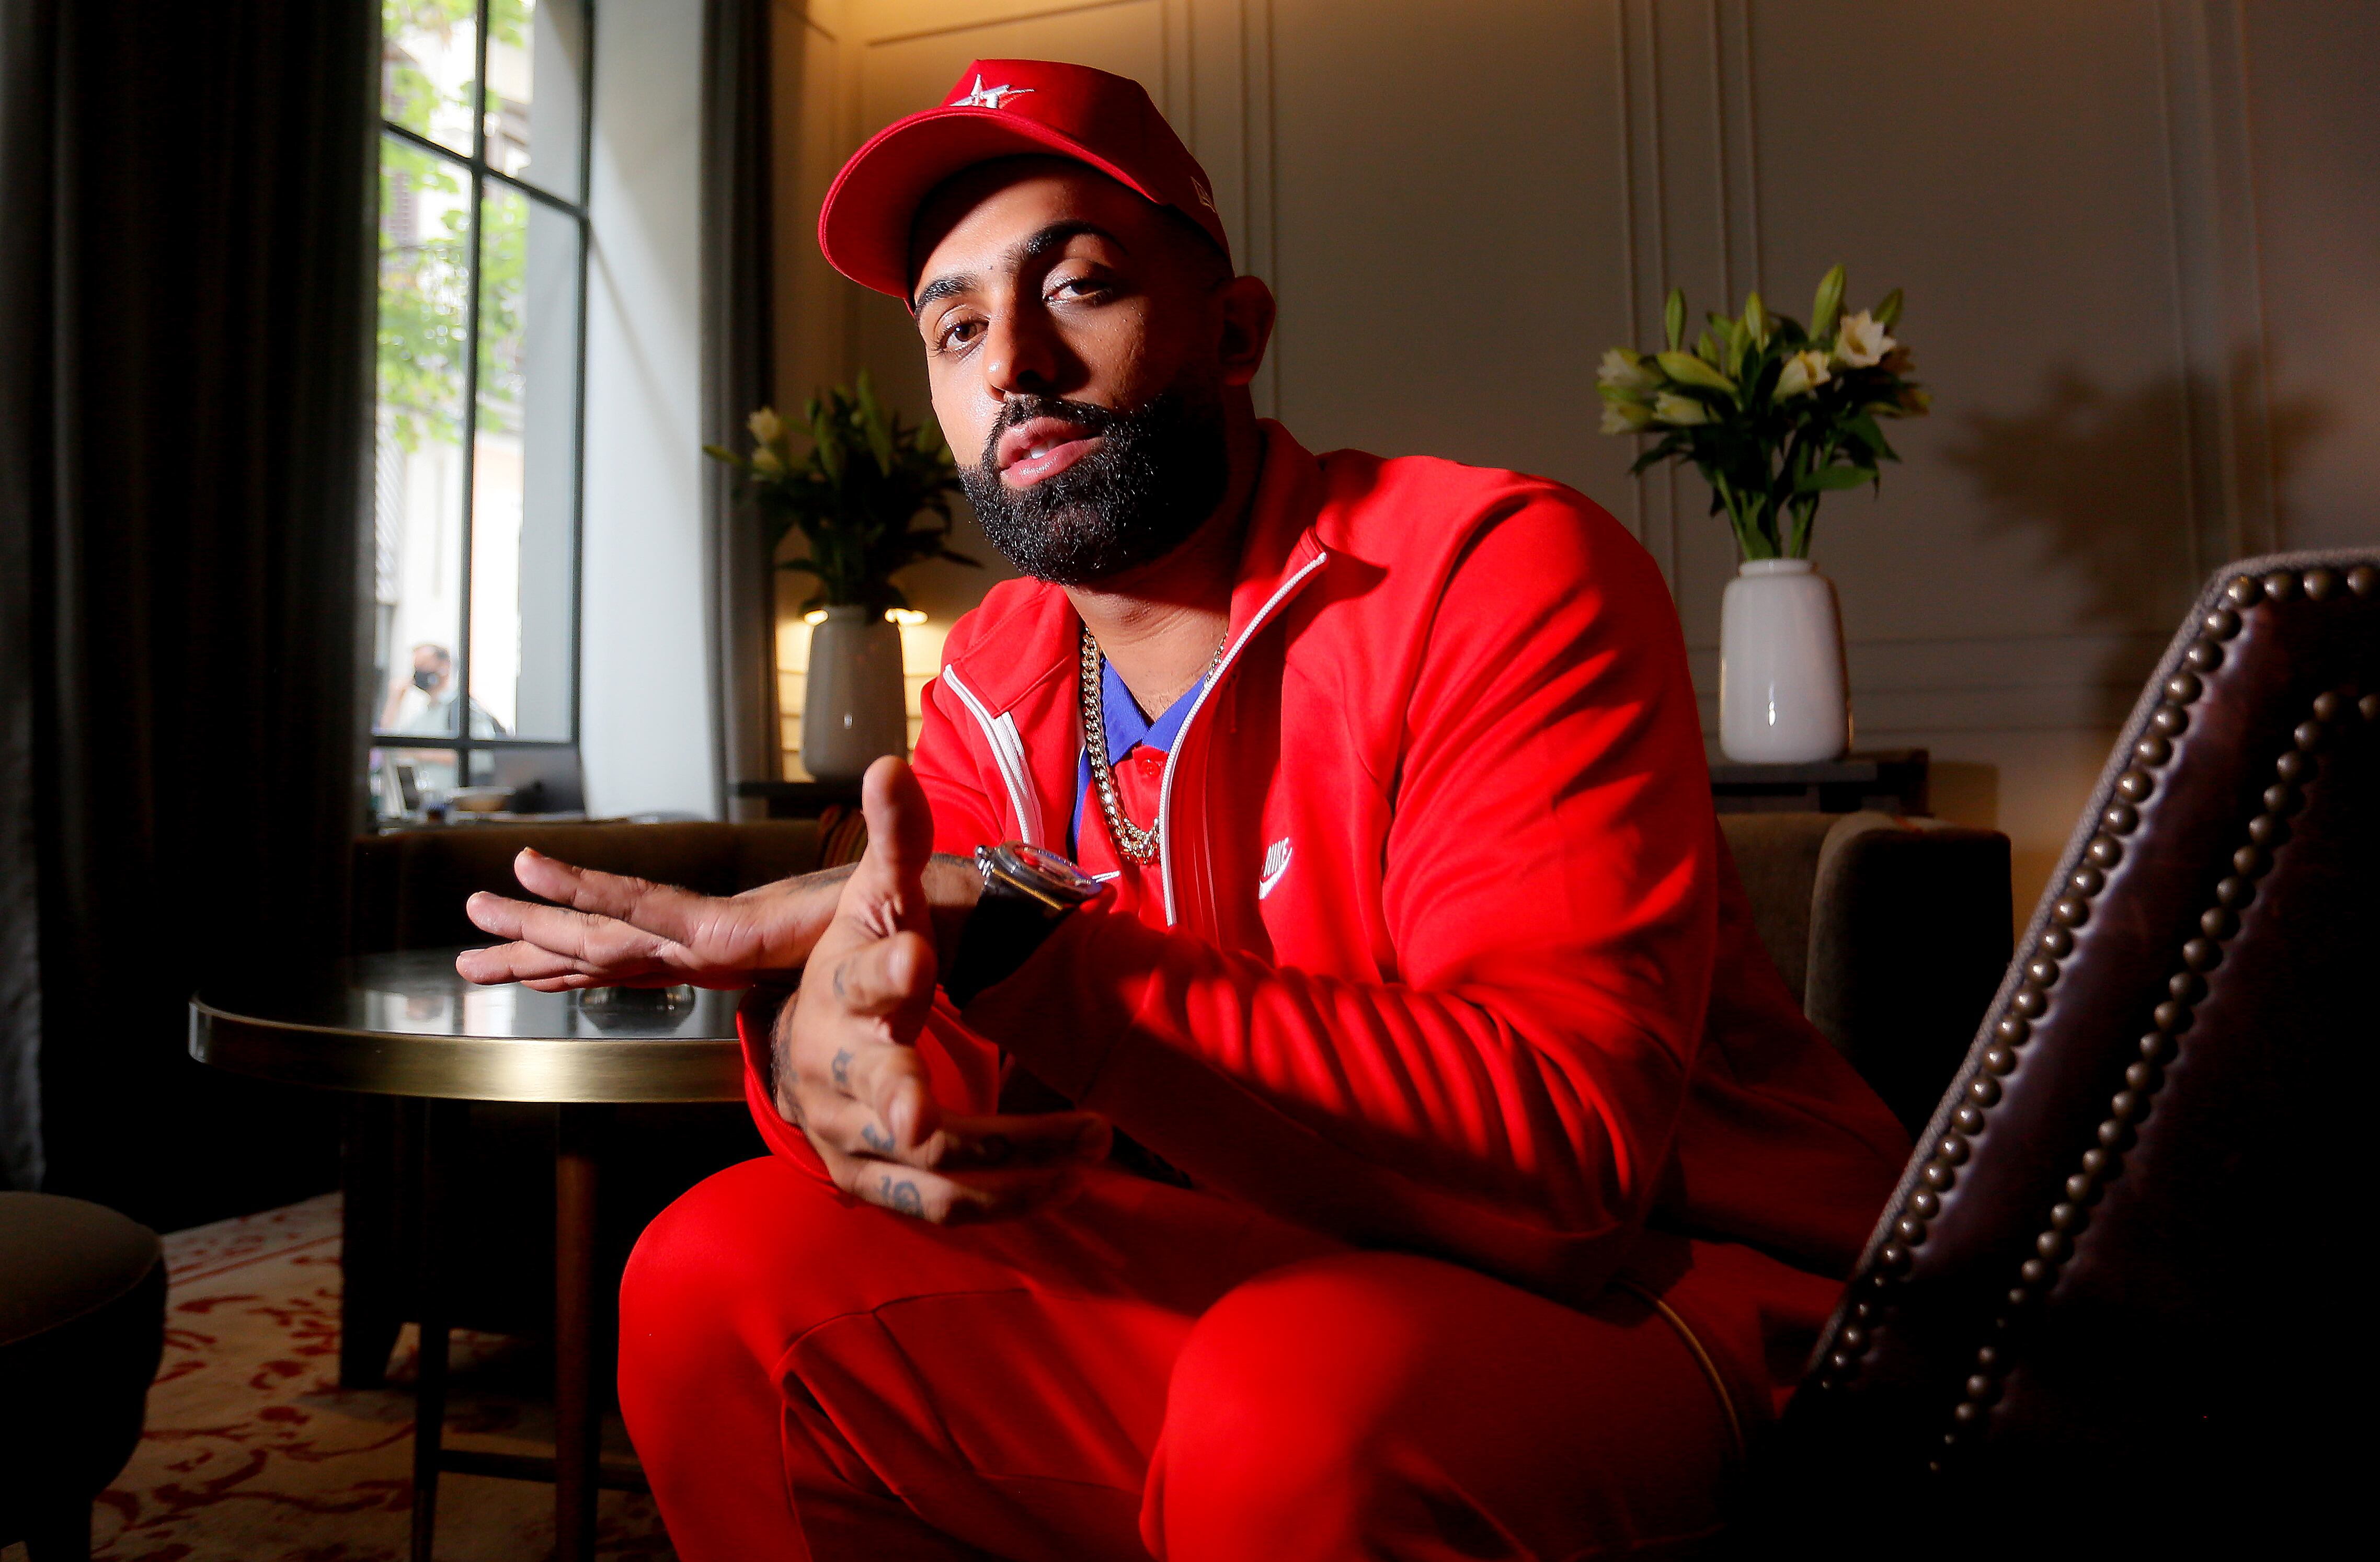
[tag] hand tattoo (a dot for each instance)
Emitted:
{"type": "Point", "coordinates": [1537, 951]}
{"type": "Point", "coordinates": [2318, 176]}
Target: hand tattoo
{"type": "Point", "coordinates": [880, 1142]}
{"type": "Point", "coordinates": [842, 1068]}
{"type": "Point", "coordinates": [902, 1196]}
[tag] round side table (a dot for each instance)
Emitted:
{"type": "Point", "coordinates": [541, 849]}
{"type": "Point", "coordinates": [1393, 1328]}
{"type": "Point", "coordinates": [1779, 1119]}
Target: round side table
{"type": "Point", "coordinates": [406, 1024]}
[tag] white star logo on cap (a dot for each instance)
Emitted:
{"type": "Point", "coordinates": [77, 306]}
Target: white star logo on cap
{"type": "Point", "coordinates": [990, 97]}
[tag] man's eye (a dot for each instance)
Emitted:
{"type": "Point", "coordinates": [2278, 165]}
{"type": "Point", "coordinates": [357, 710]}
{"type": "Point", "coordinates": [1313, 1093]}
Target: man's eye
{"type": "Point", "coordinates": [1078, 287]}
{"type": "Point", "coordinates": [958, 333]}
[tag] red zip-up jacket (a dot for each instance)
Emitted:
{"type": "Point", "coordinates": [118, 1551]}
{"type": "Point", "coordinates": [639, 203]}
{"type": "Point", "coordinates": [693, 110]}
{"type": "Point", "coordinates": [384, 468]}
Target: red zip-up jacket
{"type": "Point", "coordinates": [1447, 954]}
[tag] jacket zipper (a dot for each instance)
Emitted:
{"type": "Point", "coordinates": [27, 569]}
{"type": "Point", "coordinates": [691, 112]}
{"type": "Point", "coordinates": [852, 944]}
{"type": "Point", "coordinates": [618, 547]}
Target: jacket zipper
{"type": "Point", "coordinates": [1181, 738]}
{"type": "Point", "coordinates": [1007, 753]}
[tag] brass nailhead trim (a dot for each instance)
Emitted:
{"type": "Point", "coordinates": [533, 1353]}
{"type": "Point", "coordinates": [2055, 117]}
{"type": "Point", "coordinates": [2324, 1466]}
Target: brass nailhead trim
{"type": "Point", "coordinates": [1842, 1356]}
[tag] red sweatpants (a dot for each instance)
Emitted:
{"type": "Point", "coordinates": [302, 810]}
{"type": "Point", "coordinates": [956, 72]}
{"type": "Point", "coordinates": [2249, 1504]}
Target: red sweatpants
{"type": "Point", "coordinates": [1146, 1370]}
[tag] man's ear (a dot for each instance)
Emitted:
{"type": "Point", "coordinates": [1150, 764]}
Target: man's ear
{"type": "Point", "coordinates": [1247, 305]}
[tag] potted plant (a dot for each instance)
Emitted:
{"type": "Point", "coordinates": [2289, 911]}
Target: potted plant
{"type": "Point", "coordinates": [1776, 416]}
{"type": "Point", "coordinates": [871, 497]}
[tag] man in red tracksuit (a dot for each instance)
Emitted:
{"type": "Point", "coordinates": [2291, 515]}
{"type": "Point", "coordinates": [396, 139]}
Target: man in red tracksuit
{"type": "Point", "coordinates": [1476, 1188]}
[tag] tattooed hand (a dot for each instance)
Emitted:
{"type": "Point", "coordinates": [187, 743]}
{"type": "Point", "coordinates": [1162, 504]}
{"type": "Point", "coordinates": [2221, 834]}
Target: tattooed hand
{"type": "Point", "coordinates": [847, 1071]}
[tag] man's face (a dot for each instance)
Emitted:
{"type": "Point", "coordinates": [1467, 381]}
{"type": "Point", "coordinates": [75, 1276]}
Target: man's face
{"type": "Point", "coordinates": [1075, 340]}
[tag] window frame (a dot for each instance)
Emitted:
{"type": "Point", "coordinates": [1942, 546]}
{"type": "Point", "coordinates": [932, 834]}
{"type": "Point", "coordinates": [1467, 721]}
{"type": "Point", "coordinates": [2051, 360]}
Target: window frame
{"type": "Point", "coordinates": [463, 745]}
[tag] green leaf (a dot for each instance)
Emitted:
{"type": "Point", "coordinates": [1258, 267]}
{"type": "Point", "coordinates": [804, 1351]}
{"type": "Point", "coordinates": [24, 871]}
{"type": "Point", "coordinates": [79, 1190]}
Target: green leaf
{"type": "Point", "coordinates": [826, 444]}
{"type": "Point", "coordinates": [872, 426]}
{"type": "Point", "coordinates": [1862, 429]}
{"type": "Point", "coordinates": [721, 453]}
{"type": "Point", "coordinates": [1688, 369]}
{"type": "Point", "coordinates": [1673, 318]}
{"type": "Point", "coordinates": [1827, 480]}
{"type": "Point", "coordinates": [1828, 306]}
{"type": "Point", "coordinates": [1887, 314]}
{"type": "Point", "coordinates": [1756, 318]}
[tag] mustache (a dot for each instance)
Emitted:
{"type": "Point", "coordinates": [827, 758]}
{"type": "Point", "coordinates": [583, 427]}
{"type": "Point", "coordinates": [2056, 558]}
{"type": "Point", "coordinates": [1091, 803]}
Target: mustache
{"type": "Point", "coordinates": [1024, 409]}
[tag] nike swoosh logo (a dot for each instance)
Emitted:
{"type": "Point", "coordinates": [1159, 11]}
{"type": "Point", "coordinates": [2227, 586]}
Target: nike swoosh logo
{"type": "Point", "coordinates": [1276, 864]}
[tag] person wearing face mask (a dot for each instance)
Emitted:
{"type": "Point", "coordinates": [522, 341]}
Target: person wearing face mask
{"type": "Point", "coordinates": [422, 700]}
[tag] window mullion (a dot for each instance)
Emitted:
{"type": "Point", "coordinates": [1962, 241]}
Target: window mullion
{"type": "Point", "coordinates": [471, 394]}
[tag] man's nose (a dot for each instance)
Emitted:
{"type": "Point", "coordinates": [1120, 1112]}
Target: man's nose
{"type": "Point", "coordinates": [1021, 354]}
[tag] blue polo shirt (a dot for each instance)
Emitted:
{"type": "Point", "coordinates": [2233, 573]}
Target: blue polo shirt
{"type": "Point", "coordinates": [1127, 728]}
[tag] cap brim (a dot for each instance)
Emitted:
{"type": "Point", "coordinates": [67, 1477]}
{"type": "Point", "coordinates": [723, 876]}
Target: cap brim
{"type": "Point", "coordinates": [864, 225]}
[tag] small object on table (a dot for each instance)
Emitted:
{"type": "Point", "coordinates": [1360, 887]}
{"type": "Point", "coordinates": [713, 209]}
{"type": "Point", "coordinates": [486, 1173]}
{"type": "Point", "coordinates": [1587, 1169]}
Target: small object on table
{"type": "Point", "coordinates": [406, 1024]}
{"type": "Point", "coordinates": [1889, 780]}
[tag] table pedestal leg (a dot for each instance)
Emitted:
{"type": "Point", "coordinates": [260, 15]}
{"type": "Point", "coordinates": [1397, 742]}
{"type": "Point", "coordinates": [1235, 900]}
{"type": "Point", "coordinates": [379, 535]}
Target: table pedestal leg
{"type": "Point", "coordinates": [442, 1135]}
{"type": "Point", "coordinates": [578, 1324]}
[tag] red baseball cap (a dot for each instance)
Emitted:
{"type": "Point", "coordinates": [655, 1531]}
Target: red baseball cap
{"type": "Point", "coordinates": [1004, 108]}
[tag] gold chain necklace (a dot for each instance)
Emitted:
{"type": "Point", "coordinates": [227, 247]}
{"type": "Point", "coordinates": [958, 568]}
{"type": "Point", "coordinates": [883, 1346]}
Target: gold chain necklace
{"type": "Point", "coordinates": [1136, 844]}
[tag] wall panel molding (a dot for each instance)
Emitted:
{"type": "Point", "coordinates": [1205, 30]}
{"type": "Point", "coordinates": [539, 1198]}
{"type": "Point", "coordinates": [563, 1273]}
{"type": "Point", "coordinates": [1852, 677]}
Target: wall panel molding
{"type": "Point", "coordinates": [2217, 281]}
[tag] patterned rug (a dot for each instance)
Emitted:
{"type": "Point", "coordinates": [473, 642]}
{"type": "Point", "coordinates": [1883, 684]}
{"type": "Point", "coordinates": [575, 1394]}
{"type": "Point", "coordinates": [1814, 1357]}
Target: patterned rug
{"type": "Point", "coordinates": [253, 1452]}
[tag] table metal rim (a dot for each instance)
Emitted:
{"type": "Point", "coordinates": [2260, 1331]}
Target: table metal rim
{"type": "Point", "coordinates": [541, 1068]}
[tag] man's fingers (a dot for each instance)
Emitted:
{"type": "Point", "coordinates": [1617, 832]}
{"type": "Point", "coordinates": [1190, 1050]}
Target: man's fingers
{"type": "Point", "coordinates": [878, 1073]}
{"type": "Point", "coordinates": [990, 1196]}
{"type": "Point", "coordinates": [664, 909]}
{"type": "Point", "coordinates": [885, 978]}
{"type": "Point", "coordinates": [900, 821]}
{"type": "Point", "coordinates": [522, 961]}
{"type": "Point", "coordinates": [595, 943]}
{"type": "Point", "coordinates": [963, 1144]}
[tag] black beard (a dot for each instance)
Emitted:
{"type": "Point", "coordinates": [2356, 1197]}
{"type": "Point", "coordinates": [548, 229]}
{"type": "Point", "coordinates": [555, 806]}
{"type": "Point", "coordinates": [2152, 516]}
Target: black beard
{"type": "Point", "coordinates": [1158, 473]}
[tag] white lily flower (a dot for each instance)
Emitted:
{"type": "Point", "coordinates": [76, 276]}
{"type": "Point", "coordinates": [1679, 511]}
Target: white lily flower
{"type": "Point", "coordinates": [766, 426]}
{"type": "Point", "coordinates": [765, 462]}
{"type": "Point", "coordinates": [1803, 372]}
{"type": "Point", "coordinates": [1679, 412]}
{"type": "Point", "coordinates": [1625, 418]}
{"type": "Point", "coordinates": [1625, 371]}
{"type": "Point", "coordinates": [1861, 343]}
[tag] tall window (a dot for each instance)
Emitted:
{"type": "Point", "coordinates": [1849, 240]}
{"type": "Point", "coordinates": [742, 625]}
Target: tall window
{"type": "Point", "coordinates": [484, 108]}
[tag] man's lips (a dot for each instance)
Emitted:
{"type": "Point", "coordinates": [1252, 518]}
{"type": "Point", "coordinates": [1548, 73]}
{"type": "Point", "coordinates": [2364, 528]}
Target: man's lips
{"type": "Point", "coordinates": [1041, 448]}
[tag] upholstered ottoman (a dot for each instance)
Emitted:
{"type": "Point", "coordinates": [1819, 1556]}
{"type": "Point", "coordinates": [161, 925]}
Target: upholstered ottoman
{"type": "Point", "coordinates": [82, 1325]}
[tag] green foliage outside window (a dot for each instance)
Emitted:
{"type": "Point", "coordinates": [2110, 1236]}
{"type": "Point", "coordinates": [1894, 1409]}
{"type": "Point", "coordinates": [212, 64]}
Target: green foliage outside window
{"type": "Point", "coordinates": [425, 285]}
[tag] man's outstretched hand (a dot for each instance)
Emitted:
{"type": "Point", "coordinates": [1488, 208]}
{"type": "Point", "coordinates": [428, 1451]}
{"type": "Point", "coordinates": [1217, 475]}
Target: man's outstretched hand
{"type": "Point", "coordinates": [847, 1068]}
{"type": "Point", "coordinates": [611, 930]}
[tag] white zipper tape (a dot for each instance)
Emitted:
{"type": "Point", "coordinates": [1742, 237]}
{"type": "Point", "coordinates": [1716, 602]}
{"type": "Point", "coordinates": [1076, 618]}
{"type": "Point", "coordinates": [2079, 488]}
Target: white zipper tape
{"type": "Point", "coordinates": [1008, 754]}
{"type": "Point", "coordinates": [1165, 791]}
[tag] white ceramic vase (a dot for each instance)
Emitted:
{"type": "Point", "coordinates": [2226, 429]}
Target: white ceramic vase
{"type": "Point", "coordinates": [853, 711]}
{"type": "Point", "coordinates": [1781, 688]}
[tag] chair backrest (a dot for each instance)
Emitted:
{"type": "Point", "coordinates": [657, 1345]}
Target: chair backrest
{"type": "Point", "coordinates": [1891, 934]}
{"type": "Point", "coordinates": [2110, 1293]}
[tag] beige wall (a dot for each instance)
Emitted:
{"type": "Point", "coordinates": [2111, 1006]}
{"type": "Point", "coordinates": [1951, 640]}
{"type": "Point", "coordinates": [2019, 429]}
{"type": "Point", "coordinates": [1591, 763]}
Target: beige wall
{"type": "Point", "coordinates": [2140, 241]}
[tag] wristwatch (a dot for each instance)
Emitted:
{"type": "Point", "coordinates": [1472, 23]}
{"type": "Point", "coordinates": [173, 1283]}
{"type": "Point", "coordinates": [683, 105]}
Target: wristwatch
{"type": "Point", "coordinates": [1027, 891]}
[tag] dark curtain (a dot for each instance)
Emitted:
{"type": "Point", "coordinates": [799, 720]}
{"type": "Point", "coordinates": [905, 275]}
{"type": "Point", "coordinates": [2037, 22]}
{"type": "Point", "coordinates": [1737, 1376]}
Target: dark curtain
{"type": "Point", "coordinates": [186, 262]}
{"type": "Point", "coordinates": [738, 375]}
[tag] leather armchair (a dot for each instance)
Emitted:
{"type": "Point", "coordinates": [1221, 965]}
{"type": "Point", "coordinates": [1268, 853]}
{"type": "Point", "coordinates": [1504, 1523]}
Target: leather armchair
{"type": "Point", "coordinates": [2110, 1299]}
{"type": "Point", "coordinates": [82, 1327]}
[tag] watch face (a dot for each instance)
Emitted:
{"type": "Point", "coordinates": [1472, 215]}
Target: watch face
{"type": "Point", "coordinates": [1063, 875]}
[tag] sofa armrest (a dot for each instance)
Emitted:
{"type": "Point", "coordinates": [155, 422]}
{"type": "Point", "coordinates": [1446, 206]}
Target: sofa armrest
{"type": "Point", "coordinates": [1911, 929]}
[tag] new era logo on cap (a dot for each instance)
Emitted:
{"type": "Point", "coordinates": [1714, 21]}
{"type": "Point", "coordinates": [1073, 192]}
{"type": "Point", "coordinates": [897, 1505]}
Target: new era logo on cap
{"type": "Point", "coordinates": [1004, 108]}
